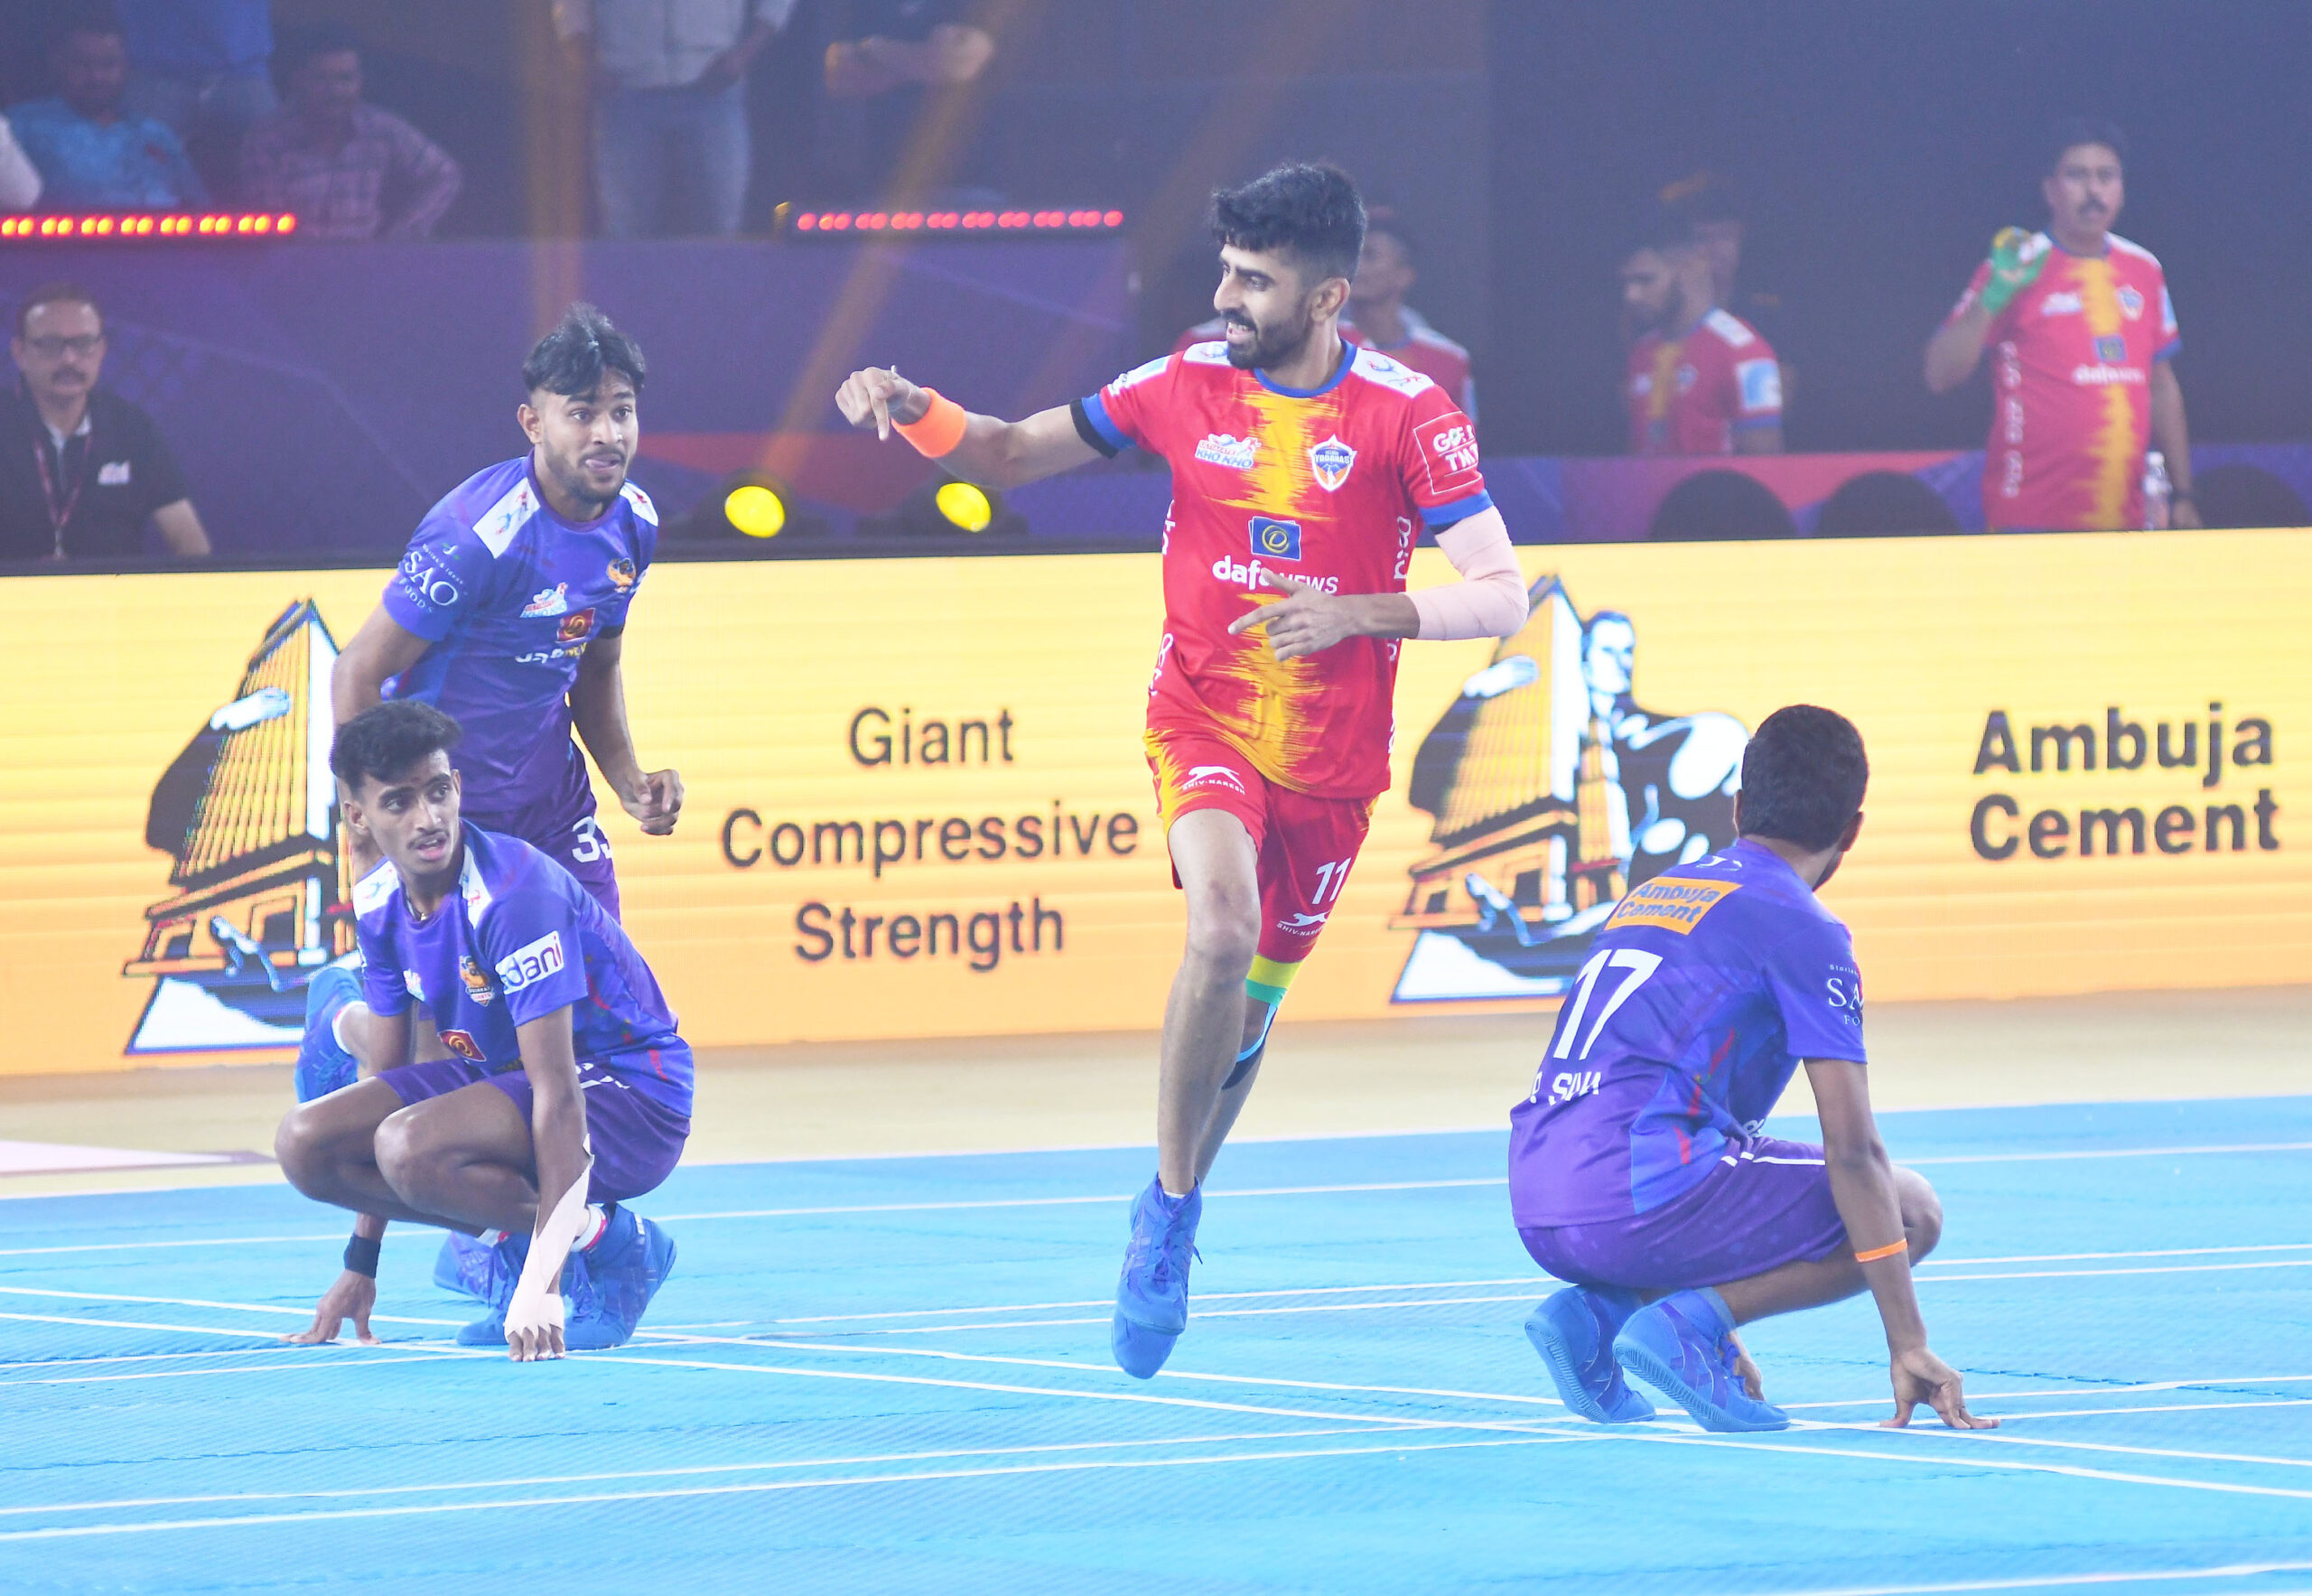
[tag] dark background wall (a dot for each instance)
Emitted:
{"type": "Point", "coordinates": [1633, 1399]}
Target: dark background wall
{"type": "Point", "coordinates": [1882, 144]}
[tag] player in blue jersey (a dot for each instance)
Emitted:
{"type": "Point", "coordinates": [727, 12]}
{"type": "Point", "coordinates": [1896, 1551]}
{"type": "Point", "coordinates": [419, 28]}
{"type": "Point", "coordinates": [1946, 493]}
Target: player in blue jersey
{"type": "Point", "coordinates": [569, 1090]}
{"type": "Point", "coordinates": [508, 611]}
{"type": "Point", "coordinates": [1637, 1169]}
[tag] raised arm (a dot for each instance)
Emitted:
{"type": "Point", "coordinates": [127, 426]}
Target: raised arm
{"type": "Point", "coordinates": [989, 452]}
{"type": "Point", "coordinates": [1862, 1185]}
{"type": "Point", "coordinates": [1956, 348]}
{"type": "Point", "coordinates": [565, 1161]}
{"type": "Point", "coordinates": [598, 709]}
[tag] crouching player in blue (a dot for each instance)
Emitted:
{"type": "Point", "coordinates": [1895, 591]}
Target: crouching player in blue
{"type": "Point", "coordinates": [1636, 1170]}
{"type": "Point", "coordinates": [569, 1090]}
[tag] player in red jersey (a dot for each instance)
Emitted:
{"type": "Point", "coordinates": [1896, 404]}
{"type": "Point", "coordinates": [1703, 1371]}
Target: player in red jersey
{"type": "Point", "coordinates": [1701, 379]}
{"type": "Point", "coordinates": [1378, 318]}
{"type": "Point", "coordinates": [1304, 468]}
{"type": "Point", "coordinates": [2084, 372]}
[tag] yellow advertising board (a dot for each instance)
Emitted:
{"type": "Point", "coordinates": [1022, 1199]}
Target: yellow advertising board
{"type": "Point", "coordinates": [918, 804]}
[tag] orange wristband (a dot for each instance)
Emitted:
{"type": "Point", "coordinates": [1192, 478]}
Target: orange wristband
{"type": "Point", "coordinates": [1877, 1252]}
{"type": "Point", "coordinates": [941, 428]}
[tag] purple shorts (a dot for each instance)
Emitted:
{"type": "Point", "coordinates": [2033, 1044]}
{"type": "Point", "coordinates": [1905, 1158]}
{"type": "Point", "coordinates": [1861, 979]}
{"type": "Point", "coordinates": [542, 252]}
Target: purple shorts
{"type": "Point", "coordinates": [567, 835]}
{"type": "Point", "coordinates": [1766, 1205]}
{"type": "Point", "coordinates": [636, 1140]}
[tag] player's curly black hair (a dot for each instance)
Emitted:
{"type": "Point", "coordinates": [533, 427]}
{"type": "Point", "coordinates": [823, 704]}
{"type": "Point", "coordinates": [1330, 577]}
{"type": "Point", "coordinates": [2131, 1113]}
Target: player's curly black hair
{"type": "Point", "coordinates": [2071, 132]}
{"type": "Point", "coordinates": [382, 743]}
{"type": "Point", "coordinates": [571, 359]}
{"type": "Point", "coordinates": [1802, 777]}
{"type": "Point", "coordinates": [1304, 209]}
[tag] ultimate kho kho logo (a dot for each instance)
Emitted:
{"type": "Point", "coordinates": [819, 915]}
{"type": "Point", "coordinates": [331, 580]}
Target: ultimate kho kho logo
{"type": "Point", "coordinates": [2184, 765]}
{"type": "Point", "coordinates": [878, 739]}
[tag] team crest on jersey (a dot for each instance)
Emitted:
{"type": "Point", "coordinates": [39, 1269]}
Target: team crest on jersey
{"type": "Point", "coordinates": [1330, 460]}
{"type": "Point", "coordinates": [1220, 449]}
{"type": "Point", "coordinates": [2110, 349]}
{"type": "Point", "coordinates": [2130, 303]}
{"type": "Point", "coordinates": [462, 1044]}
{"type": "Point", "coordinates": [552, 601]}
{"type": "Point", "coordinates": [478, 986]}
{"type": "Point", "coordinates": [574, 628]}
{"type": "Point", "coordinates": [621, 573]}
{"type": "Point", "coordinates": [1275, 540]}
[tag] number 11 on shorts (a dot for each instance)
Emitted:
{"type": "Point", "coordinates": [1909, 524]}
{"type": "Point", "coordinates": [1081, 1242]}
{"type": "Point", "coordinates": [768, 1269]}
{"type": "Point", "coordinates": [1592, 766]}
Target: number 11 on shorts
{"type": "Point", "coordinates": [1329, 878]}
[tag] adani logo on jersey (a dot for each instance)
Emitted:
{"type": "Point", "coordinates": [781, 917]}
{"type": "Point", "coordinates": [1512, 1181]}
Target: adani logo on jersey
{"type": "Point", "coordinates": [1275, 540]}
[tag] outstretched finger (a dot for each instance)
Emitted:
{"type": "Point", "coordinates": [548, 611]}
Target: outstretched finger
{"type": "Point", "coordinates": [1903, 1406]}
{"type": "Point", "coordinates": [361, 1328]}
{"type": "Point", "coordinates": [312, 1335]}
{"type": "Point", "coordinates": [1247, 620]}
{"type": "Point", "coordinates": [883, 406]}
{"type": "Point", "coordinates": [1268, 578]}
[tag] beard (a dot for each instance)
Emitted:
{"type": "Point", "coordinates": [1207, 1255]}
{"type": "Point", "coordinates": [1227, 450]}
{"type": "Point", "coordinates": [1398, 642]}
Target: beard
{"type": "Point", "coordinates": [1271, 347]}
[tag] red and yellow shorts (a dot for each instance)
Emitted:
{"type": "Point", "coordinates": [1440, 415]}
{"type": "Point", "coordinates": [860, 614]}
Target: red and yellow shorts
{"type": "Point", "coordinates": [1305, 843]}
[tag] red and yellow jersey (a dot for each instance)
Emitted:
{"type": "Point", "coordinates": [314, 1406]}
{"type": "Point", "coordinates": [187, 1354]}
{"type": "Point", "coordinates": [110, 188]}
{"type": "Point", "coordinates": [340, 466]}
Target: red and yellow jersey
{"type": "Point", "coordinates": [1329, 487]}
{"type": "Point", "coordinates": [1688, 395]}
{"type": "Point", "coordinates": [2071, 373]}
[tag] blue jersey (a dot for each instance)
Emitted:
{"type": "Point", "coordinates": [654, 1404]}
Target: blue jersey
{"type": "Point", "coordinates": [509, 594]}
{"type": "Point", "coordinates": [518, 939]}
{"type": "Point", "coordinates": [1703, 992]}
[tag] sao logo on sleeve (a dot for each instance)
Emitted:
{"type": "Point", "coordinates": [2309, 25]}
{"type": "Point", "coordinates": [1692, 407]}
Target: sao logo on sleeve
{"type": "Point", "coordinates": [531, 963]}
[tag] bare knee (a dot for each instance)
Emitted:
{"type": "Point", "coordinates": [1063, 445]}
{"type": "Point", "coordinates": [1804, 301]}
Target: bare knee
{"type": "Point", "coordinates": [301, 1147]}
{"type": "Point", "coordinates": [401, 1151]}
{"type": "Point", "coordinates": [1922, 1211]}
{"type": "Point", "coordinates": [1223, 930]}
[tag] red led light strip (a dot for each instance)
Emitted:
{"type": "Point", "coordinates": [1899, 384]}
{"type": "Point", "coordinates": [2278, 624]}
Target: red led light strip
{"type": "Point", "coordinates": [973, 221]}
{"type": "Point", "coordinates": [148, 224]}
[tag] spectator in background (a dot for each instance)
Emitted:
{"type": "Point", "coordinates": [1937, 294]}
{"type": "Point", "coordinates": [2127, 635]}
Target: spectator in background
{"type": "Point", "coordinates": [670, 79]}
{"type": "Point", "coordinates": [2086, 376]}
{"type": "Point", "coordinates": [1701, 380]}
{"type": "Point", "coordinates": [1379, 318]}
{"type": "Point", "coordinates": [90, 153]}
{"type": "Point", "coordinates": [19, 178]}
{"type": "Point", "coordinates": [204, 66]}
{"type": "Point", "coordinates": [1714, 210]}
{"type": "Point", "coordinates": [348, 170]}
{"type": "Point", "coordinates": [81, 469]}
{"type": "Point", "coordinates": [895, 70]}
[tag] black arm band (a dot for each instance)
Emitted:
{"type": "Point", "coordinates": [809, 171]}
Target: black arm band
{"type": "Point", "coordinates": [1087, 432]}
{"type": "Point", "coordinates": [361, 1256]}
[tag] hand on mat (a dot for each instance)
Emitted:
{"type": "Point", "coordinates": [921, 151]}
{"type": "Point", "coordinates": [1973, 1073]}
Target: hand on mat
{"type": "Point", "coordinates": [1921, 1376]}
{"type": "Point", "coordinates": [534, 1325]}
{"type": "Point", "coordinates": [1753, 1382]}
{"type": "Point", "coordinates": [878, 397]}
{"type": "Point", "coordinates": [1306, 620]}
{"type": "Point", "coordinates": [352, 1298]}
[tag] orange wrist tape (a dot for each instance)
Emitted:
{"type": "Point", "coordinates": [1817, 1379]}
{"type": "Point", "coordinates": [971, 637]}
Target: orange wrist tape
{"type": "Point", "coordinates": [941, 428]}
{"type": "Point", "coordinates": [1877, 1252]}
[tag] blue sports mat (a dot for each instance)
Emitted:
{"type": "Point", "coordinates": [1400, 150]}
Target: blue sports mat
{"type": "Point", "coordinates": [891, 1375]}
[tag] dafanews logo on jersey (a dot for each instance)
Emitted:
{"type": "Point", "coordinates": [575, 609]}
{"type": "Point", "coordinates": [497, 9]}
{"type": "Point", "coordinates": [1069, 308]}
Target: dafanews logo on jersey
{"type": "Point", "coordinates": [1274, 539]}
{"type": "Point", "coordinates": [531, 963]}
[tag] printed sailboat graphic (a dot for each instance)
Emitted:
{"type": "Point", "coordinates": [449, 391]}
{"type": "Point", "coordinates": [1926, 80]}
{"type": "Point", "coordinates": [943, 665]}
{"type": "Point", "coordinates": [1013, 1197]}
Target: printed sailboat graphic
{"type": "Point", "coordinates": [248, 813]}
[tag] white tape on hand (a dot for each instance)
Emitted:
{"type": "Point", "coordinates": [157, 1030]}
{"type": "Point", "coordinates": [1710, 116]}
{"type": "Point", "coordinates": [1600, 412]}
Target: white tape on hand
{"type": "Point", "coordinates": [534, 1315]}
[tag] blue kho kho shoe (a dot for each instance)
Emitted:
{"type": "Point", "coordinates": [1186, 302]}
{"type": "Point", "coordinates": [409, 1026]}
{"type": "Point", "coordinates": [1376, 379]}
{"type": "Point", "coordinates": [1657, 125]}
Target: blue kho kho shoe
{"type": "Point", "coordinates": [613, 1283]}
{"type": "Point", "coordinates": [323, 1067]}
{"type": "Point", "coordinates": [463, 1265]}
{"type": "Point", "coordinates": [1574, 1332]}
{"type": "Point", "coordinates": [507, 1257]}
{"type": "Point", "coordinates": [1684, 1347]}
{"type": "Point", "coordinates": [1153, 1292]}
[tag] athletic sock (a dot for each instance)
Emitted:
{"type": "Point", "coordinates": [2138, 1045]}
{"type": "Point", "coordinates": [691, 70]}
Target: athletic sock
{"type": "Point", "coordinates": [598, 1223]}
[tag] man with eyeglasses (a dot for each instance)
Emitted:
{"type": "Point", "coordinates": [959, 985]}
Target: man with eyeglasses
{"type": "Point", "coordinates": [81, 469]}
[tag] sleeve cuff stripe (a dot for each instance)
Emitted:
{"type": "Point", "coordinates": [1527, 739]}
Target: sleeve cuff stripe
{"type": "Point", "coordinates": [1435, 516]}
{"type": "Point", "coordinates": [1092, 424]}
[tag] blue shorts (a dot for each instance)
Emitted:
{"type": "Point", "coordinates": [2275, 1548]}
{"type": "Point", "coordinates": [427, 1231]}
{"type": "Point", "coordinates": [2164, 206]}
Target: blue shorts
{"type": "Point", "coordinates": [1766, 1206]}
{"type": "Point", "coordinates": [635, 1139]}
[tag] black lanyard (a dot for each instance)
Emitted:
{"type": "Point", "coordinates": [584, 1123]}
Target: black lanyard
{"type": "Point", "coordinates": [59, 513]}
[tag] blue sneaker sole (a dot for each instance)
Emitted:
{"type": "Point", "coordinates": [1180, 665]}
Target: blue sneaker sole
{"type": "Point", "coordinates": [483, 1333]}
{"type": "Point", "coordinates": [1139, 1351]}
{"type": "Point", "coordinates": [1557, 1357]}
{"type": "Point", "coordinates": [1637, 1358]}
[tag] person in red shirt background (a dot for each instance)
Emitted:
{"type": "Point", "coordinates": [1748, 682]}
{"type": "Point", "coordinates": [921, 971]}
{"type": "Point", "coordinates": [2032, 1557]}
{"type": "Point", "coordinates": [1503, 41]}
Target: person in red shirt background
{"type": "Point", "coordinates": [2083, 378]}
{"type": "Point", "coordinates": [1701, 380]}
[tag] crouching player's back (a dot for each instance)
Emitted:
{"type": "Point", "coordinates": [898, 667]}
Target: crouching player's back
{"type": "Point", "coordinates": [1637, 1169]}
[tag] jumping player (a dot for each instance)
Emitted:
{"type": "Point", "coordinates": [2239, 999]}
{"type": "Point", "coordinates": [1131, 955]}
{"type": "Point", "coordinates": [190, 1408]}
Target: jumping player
{"type": "Point", "coordinates": [1303, 469]}
{"type": "Point", "coordinates": [1636, 1168]}
{"type": "Point", "coordinates": [569, 1092]}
